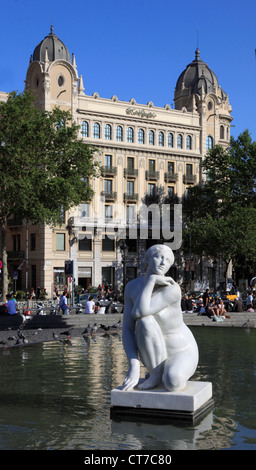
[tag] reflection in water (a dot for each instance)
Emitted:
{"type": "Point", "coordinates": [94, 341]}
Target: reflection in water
{"type": "Point", "coordinates": [57, 396]}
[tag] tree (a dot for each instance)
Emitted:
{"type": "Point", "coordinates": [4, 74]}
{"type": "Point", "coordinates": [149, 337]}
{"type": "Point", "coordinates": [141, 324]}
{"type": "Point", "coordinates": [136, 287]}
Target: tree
{"type": "Point", "coordinates": [223, 224]}
{"type": "Point", "coordinates": [44, 166]}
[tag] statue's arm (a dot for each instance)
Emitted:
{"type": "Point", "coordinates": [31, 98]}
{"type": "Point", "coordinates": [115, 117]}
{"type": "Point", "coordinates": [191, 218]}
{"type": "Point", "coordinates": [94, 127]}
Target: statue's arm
{"type": "Point", "coordinates": [148, 304]}
{"type": "Point", "coordinates": [129, 343]}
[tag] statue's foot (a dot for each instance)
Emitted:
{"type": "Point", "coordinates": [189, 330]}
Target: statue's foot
{"type": "Point", "coordinates": [151, 382]}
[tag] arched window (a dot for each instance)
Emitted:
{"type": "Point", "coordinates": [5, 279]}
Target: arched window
{"type": "Point", "coordinates": [119, 133]}
{"type": "Point", "coordinates": [179, 141]}
{"type": "Point", "coordinates": [151, 138]}
{"type": "Point", "coordinates": [209, 142]}
{"type": "Point", "coordinates": [84, 129]}
{"type": "Point", "coordinates": [141, 136]}
{"type": "Point", "coordinates": [222, 132]}
{"type": "Point", "coordinates": [96, 130]}
{"type": "Point", "coordinates": [189, 142]}
{"type": "Point", "coordinates": [161, 139]}
{"type": "Point", "coordinates": [130, 136]}
{"type": "Point", "coordinates": [170, 140]}
{"type": "Point", "coordinates": [108, 132]}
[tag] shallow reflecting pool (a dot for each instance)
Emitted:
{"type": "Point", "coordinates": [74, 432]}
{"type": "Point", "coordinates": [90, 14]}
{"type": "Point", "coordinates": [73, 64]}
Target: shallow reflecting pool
{"type": "Point", "coordinates": [56, 396]}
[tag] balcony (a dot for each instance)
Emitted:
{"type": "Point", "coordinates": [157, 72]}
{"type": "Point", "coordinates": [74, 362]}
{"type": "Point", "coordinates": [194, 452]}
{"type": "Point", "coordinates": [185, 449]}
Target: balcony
{"type": "Point", "coordinates": [130, 173]}
{"type": "Point", "coordinates": [16, 255]}
{"type": "Point", "coordinates": [172, 199]}
{"type": "Point", "coordinates": [152, 198]}
{"type": "Point", "coordinates": [131, 197]}
{"type": "Point", "coordinates": [14, 222]}
{"type": "Point", "coordinates": [108, 170]}
{"type": "Point", "coordinates": [170, 177]}
{"type": "Point", "coordinates": [109, 196]}
{"type": "Point", "coordinates": [189, 179]}
{"type": "Point", "coordinates": [152, 175]}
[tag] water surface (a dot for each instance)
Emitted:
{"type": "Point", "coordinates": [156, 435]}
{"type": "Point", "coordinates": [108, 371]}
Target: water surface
{"type": "Point", "coordinates": [56, 396]}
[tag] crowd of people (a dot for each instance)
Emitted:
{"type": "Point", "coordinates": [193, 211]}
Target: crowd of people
{"type": "Point", "coordinates": [215, 306]}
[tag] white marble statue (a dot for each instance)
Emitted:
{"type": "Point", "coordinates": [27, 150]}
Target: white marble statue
{"type": "Point", "coordinates": [153, 328]}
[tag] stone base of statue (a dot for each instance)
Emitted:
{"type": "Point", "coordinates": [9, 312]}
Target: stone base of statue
{"type": "Point", "coordinates": [189, 404]}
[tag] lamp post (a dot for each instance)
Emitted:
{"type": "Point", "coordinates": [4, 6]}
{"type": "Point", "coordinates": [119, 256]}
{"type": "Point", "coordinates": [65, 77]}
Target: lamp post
{"type": "Point", "coordinates": [124, 249]}
{"type": "Point", "coordinates": [214, 265]}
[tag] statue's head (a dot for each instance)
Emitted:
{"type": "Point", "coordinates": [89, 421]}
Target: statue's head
{"type": "Point", "coordinates": [159, 259]}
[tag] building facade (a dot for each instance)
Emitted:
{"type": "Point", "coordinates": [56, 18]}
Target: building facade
{"type": "Point", "coordinates": [148, 155]}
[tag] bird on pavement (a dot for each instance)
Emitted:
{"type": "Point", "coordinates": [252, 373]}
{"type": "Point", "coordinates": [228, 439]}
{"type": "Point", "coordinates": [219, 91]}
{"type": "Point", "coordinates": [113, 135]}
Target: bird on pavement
{"type": "Point", "coordinates": [87, 330]}
{"type": "Point", "coordinates": [104, 327]}
{"type": "Point", "coordinates": [20, 334]}
{"type": "Point", "coordinates": [66, 333]}
{"type": "Point", "coordinates": [117, 325]}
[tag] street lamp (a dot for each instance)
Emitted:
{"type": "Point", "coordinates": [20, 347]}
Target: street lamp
{"type": "Point", "coordinates": [124, 248]}
{"type": "Point", "coordinates": [214, 266]}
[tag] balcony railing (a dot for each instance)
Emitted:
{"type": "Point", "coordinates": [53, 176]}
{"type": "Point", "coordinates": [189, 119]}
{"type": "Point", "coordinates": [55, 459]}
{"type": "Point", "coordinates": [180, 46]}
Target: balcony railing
{"type": "Point", "coordinates": [16, 254]}
{"type": "Point", "coordinates": [14, 222]}
{"type": "Point", "coordinates": [189, 179]}
{"type": "Point", "coordinates": [130, 172]}
{"type": "Point", "coordinates": [170, 177]}
{"type": "Point", "coordinates": [152, 175]}
{"type": "Point", "coordinates": [131, 197]}
{"type": "Point", "coordinates": [109, 170]}
{"type": "Point", "coordinates": [109, 196]}
{"type": "Point", "coordinates": [172, 199]}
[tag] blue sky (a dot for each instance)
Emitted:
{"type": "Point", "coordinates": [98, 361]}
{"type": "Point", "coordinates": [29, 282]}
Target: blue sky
{"type": "Point", "coordinates": [138, 49]}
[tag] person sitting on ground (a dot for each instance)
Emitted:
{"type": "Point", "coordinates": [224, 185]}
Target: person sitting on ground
{"type": "Point", "coordinates": [238, 305]}
{"type": "Point", "coordinates": [211, 308]}
{"type": "Point", "coordinates": [99, 308]}
{"type": "Point", "coordinates": [189, 306]}
{"type": "Point", "coordinates": [10, 305]}
{"type": "Point", "coordinates": [90, 305]}
{"type": "Point", "coordinates": [183, 304]}
{"type": "Point", "coordinates": [220, 309]}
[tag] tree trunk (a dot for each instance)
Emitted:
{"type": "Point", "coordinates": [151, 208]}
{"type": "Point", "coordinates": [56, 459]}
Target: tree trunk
{"type": "Point", "coordinates": [4, 262]}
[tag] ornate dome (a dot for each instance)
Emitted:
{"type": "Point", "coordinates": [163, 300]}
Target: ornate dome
{"type": "Point", "coordinates": [55, 49]}
{"type": "Point", "coordinates": [197, 78]}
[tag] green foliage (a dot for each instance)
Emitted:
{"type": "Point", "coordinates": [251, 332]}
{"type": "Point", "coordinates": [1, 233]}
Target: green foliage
{"type": "Point", "coordinates": [44, 166]}
{"type": "Point", "coordinates": [221, 212]}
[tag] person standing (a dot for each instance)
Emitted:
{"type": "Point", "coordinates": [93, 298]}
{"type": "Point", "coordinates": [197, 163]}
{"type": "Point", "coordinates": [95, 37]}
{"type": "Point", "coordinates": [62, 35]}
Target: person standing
{"type": "Point", "coordinates": [249, 301]}
{"type": "Point", "coordinates": [64, 303]}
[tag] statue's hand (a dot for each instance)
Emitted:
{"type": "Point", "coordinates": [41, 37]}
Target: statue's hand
{"type": "Point", "coordinates": [133, 376]}
{"type": "Point", "coordinates": [162, 280]}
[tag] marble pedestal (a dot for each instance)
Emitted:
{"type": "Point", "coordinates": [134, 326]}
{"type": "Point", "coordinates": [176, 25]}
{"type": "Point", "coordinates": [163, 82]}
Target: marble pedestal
{"type": "Point", "coordinates": [189, 404]}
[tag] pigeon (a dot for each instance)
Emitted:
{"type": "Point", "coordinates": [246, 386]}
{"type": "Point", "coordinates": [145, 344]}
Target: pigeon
{"type": "Point", "coordinates": [94, 328]}
{"type": "Point", "coordinates": [116, 325]}
{"type": "Point", "coordinates": [20, 334]}
{"type": "Point", "coordinates": [19, 341]}
{"type": "Point", "coordinates": [66, 333]}
{"type": "Point", "coordinates": [87, 330]}
{"type": "Point", "coordinates": [104, 327]}
{"type": "Point", "coordinates": [55, 336]}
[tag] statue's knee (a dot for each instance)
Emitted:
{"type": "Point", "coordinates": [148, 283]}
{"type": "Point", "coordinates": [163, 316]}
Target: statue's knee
{"type": "Point", "coordinates": [174, 379]}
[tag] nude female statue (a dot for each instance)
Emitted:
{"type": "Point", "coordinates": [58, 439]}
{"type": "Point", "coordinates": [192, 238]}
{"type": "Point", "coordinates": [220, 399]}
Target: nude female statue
{"type": "Point", "coordinates": [153, 327]}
